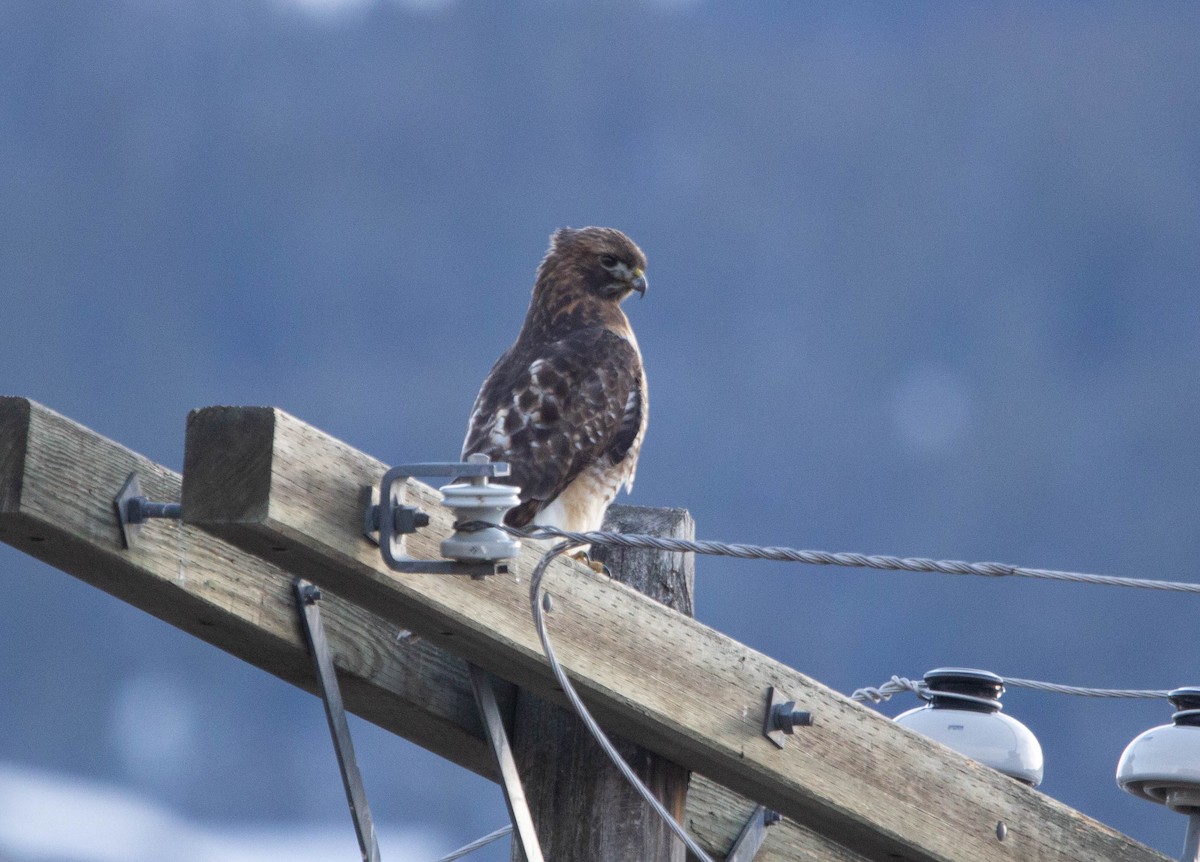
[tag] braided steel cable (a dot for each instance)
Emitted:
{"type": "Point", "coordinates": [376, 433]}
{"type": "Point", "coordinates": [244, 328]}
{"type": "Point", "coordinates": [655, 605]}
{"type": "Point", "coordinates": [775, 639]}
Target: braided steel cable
{"type": "Point", "coordinates": [467, 849]}
{"type": "Point", "coordinates": [898, 684]}
{"type": "Point", "coordinates": [828, 558]}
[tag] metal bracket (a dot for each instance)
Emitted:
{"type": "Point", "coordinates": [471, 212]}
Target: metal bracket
{"type": "Point", "coordinates": [783, 718]}
{"type": "Point", "coordinates": [133, 509]}
{"type": "Point", "coordinates": [510, 780]}
{"type": "Point", "coordinates": [386, 520]}
{"type": "Point", "coordinates": [753, 834]}
{"type": "Point", "coordinates": [307, 596]}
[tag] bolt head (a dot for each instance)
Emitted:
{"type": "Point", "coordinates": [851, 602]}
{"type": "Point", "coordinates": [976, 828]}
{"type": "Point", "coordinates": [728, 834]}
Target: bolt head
{"type": "Point", "coordinates": [787, 718]}
{"type": "Point", "coordinates": [409, 519]}
{"type": "Point", "coordinates": [310, 594]}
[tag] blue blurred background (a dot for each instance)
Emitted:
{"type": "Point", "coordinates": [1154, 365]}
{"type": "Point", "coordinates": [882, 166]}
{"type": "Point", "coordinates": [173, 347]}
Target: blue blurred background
{"type": "Point", "coordinates": [923, 280]}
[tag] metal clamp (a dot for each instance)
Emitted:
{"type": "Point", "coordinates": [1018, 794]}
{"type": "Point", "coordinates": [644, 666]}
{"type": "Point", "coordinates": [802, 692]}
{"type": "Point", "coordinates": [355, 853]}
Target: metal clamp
{"type": "Point", "coordinates": [510, 780]}
{"type": "Point", "coordinates": [134, 508]}
{"type": "Point", "coordinates": [753, 834]}
{"type": "Point", "coordinates": [387, 520]}
{"type": "Point", "coordinates": [783, 718]}
{"type": "Point", "coordinates": [307, 596]}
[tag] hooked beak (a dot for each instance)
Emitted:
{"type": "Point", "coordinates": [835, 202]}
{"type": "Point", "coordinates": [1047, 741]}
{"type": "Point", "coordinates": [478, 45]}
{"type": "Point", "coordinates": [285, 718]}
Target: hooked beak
{"type": "Point", "coordinates": [639, 282]}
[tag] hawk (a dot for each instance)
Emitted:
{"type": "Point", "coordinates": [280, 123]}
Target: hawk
{"type": "Point", "coordinates": [566, 404]}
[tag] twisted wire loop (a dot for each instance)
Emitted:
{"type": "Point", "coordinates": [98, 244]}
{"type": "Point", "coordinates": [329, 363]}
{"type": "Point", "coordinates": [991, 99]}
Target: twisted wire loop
{"type": "Point", "coordinates": [898, 684]}
{"type": "Point", "coordinates": [827, 558]}
{"type": "Point", "coordinates": [895, 685]}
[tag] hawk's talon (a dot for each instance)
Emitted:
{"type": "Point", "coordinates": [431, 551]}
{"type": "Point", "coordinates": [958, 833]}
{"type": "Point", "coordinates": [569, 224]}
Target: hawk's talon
{"type": "Point", "coordinates": [595, 565]}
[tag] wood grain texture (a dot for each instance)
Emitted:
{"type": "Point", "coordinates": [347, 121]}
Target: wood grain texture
{"type": "Point", "coordinates": [64, 515]}
{"type": "Point", "coordinates": [650, 674]}
{"type": "Point", "coordinates": [14, 432]}
{"type": "Point", "coordinates": [56, 505]}
{"type": "Point", "coordinates": [585, 809]}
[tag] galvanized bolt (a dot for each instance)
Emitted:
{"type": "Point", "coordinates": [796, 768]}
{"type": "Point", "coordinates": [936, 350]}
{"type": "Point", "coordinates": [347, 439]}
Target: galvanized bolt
{"type": "Point", "coordinates": [785, 717]}
{"type": "Point", "coordinates": [140, 509]}
{"type": "Point", "coordinates": [410, 519]}
{"type": "Point", "coordinates": [310, 594]}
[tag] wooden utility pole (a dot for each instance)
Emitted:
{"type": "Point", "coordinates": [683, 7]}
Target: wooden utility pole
{"type": "Point", "coordinates": [585, 809]}
{"type": "Point", "coordinates": [267, 497]}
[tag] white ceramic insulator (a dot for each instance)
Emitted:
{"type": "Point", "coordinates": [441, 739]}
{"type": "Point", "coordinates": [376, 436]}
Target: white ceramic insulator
{"type": "Point", "coordinates": [476, 503]}
{"type": "Point", "coordinates": [993, 738]}
{"type": "Point", "coordinates": [1163, 765]}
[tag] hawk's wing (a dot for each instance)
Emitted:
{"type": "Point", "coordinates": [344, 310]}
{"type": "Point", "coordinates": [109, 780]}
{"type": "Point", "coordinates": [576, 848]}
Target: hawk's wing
{"type": "Point", "coordinates": [552, 410]}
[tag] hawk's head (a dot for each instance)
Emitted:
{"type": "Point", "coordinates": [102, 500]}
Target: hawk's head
{"type": "Point", "coordinates": [603, 261]}
{"type": "Point", "coordinates": [582, 280]}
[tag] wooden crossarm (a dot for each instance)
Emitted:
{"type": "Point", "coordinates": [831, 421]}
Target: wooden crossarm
{"type": "Point", "coordinates": [281, 489]}
{"type": "Point", "coordinates": [57, 481]}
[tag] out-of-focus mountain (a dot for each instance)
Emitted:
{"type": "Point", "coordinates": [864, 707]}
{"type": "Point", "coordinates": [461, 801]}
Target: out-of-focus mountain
{"type": "Point", "coordinates": [923, 280]}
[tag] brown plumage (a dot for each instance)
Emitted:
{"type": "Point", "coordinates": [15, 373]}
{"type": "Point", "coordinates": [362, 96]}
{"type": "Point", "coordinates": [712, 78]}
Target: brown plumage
{"type": "Point", "coordinates": [566, 405]}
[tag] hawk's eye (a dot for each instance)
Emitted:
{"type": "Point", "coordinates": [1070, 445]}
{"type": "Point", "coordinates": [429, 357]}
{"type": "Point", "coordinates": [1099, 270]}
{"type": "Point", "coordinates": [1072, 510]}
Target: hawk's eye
{"type": "Point", "coordinates": [608, 261]}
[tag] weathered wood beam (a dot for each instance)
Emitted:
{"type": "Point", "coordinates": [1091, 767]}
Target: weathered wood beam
{"type": "Point", "coordinates": [284, 490]}
{"type": "Point", "coordinates": [57, 481]}
{"type": "Point", "coordinates": [585, 809]}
